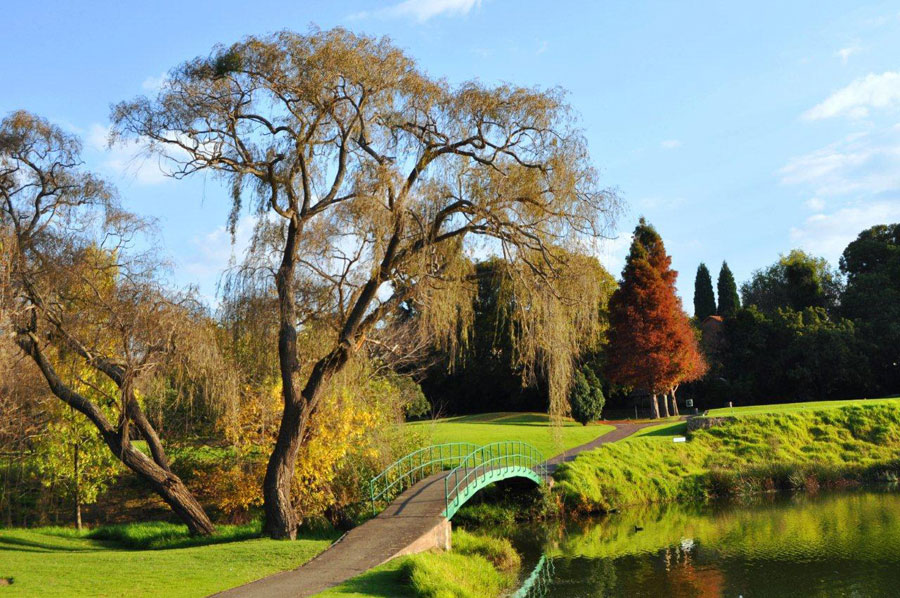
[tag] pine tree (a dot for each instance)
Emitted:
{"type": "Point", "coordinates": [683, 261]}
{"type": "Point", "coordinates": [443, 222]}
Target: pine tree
{"type": "Point", "coordinates": [729, 302]}
{"type": "Point", "coordinates": [649, 332]}
{"type": "Point", "coordinates": [704, 299]}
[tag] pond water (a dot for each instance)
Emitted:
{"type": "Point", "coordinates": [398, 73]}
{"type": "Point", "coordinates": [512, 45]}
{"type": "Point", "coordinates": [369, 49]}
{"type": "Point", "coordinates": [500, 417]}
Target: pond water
{"type": "Point", "coordinates": [842, 544]}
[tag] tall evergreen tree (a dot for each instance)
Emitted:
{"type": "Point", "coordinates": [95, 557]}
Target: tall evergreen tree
{"type": "Point", "coordinates": [649, 333]}
{"type": "Point", "coordinates": [704, 299]}
{"type": "Point", "coordinates": [729, 302]}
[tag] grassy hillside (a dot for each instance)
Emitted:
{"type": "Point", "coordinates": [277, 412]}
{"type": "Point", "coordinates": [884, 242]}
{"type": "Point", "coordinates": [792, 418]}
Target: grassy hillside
{"type": "Point", "coordinates": [799, 407]}
{"type": "Point", "coordinates": [533, 428]}
{"type": "Point", "coordinates": [799, 450]}
{"type": "Point", "coordinates": [150, 560]}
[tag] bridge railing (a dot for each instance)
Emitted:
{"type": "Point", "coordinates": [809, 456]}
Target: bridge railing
{"type": "Point", "coordinates": [414, 467]}
{"type": "Point", "coordinates": [495, 460]}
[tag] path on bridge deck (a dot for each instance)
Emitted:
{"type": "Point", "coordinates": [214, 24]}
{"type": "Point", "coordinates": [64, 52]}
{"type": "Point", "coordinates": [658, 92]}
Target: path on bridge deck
{"type": "Point", "coordinates": [410, 516]}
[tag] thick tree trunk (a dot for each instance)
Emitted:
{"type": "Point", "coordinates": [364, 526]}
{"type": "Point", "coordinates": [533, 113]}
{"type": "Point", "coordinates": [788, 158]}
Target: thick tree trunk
{"type": "Point", "coordinates": [665, 402]}
{"type": "Point", "coordinates": [165, 483]}
{"type": "Point", "coordinates": [179, 498]}
{"type": "Point", "coordinates": [654, 407]}
{"type": "Point", "coordinates": [281, 520]}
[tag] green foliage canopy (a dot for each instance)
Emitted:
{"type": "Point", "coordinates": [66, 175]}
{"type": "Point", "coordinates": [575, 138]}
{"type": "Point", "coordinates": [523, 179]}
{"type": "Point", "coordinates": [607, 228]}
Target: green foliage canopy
{"type": "Point", "coordinates": [729, 302]}
{"type": "Point", "coordinates": [586, 396]}
{"type": "Point", "coordinates": [704, 299]}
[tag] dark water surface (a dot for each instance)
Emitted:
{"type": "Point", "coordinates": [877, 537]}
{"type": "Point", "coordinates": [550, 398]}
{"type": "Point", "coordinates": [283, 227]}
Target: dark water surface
{"type": "Point", "coordinates": [842, 544]}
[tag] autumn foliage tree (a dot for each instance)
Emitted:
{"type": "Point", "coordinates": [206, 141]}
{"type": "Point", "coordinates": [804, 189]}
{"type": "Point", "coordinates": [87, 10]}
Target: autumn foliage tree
{"type": "Point", "coordinates": [372, 183]}
{"type": "Point", "coordinates": [86, 308]}
{"type": "Point", "coordinates": [652, 345]}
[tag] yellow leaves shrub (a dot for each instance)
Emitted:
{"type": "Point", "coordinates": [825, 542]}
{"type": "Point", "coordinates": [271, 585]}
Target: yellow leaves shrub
{"type": "Point", "coordinates": [233, 486]}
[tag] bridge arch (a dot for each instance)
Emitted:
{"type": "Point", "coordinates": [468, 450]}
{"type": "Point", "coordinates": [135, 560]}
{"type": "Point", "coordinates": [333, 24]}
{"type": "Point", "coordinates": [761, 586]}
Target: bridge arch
{"type": "Point", "coordinates": [469, 468]}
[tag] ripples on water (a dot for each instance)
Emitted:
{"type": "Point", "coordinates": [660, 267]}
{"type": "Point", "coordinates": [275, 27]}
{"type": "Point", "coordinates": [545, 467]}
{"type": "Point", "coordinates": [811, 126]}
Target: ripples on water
{"type": "Point", "coordinates": [827, 546]}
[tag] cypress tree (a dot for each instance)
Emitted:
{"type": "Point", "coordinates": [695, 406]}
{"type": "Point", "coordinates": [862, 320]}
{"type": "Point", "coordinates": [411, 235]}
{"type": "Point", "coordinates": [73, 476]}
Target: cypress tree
{"type": "Point", "coordinates": [729, 302]}
{"type": "Point", "coordinates": [704, 300]}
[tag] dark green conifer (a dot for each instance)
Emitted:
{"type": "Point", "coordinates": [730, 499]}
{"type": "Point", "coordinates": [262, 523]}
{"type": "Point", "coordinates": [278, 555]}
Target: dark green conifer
{"type": "Point", "coordinates": [729, 302]}
{"type": "Point", "coordinates": [704, 299]}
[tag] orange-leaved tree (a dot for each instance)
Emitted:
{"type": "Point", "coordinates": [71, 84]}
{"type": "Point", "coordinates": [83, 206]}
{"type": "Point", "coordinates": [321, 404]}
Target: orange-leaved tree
{"type": "Point", "coordinates": [651, 343]}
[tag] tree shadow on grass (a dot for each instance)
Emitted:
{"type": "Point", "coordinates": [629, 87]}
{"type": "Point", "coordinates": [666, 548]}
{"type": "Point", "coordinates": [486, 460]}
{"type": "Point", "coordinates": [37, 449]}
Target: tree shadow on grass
{"type": "Point", "coordinates": [12, 543]}
{"type": "Point", "coordinates": [677, 429]}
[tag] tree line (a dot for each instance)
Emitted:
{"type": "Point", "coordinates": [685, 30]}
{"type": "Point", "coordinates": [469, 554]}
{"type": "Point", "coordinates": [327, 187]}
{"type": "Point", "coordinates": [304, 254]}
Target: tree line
{"type": "Point", "coordinates": [808, 331]}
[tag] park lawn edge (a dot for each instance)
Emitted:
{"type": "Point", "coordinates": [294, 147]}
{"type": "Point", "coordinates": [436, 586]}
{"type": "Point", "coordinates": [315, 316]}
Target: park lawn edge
{"type": "Point", "coordinates": [477, 566]}
{"type": "Point", "coordinates": [801, 450]}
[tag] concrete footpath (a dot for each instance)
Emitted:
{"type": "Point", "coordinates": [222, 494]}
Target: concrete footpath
{"type": "Point", "coordinates": [412, 523]}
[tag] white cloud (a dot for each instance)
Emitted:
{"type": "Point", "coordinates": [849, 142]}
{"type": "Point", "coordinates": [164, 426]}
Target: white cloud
{"type": "Point", "coordinates": [828, 234]}
{"type": "Point", "coordinates": [670, 144]}
{"type": "Point", "coordinates": [862, 95]}
{"type": "Point", "coordinates": [155, 83]}
{"type": "Point", "coordinates": [542, 47]}
{"type": "Point", "coordinates": [215, 252]}
{"type": "Point", "coordinates": [845, 53]}
{"type": "Point", "coordinates": [422, 10]}
{"type": "Point", "coordinates": [125, 158]}
{"type": "Point", "coordinates": [863, 163]}
{"type": "Point", "coordinates": [815, 204]}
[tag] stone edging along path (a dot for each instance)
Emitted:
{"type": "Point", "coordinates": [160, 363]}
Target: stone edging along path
{"type": "Point", "coordinates": [413, 522]}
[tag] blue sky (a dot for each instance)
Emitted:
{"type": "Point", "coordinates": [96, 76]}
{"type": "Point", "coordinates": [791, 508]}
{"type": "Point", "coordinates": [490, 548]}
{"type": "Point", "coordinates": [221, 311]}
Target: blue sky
{"type": "Point", "coordinates": [741, 130]}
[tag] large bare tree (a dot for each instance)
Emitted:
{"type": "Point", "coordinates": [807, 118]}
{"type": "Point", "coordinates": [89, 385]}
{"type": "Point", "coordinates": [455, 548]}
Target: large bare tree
{"type": "Point", "coordinates": [372, 184]}
{"type": "Point", "coordinates": [86, 307]}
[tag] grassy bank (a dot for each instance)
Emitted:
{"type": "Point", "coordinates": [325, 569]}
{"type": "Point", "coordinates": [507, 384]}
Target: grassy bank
{"type": "Point", "coordinates": [478, 566]}
{"type": "Point", "coordinates": [533, 428]}
{"type": "Point", "coordinates": [800, 407]}
{"type": "Point", "coordinates": [153, 559]}
{"type": "Point", "coordinates": [804, 449]}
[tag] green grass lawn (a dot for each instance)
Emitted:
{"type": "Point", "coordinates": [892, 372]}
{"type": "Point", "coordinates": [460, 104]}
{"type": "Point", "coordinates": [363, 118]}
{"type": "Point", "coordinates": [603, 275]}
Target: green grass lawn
{"type": "Point", "coordinates": [795, 407]}
{"type": "Point", "coordinates": [533, 428]}
{"type": "Point", "coordinates": [50, 562]}
{"type": "Point", "coordinates": [665, 431]}
{"type": "Point", "coordinates": [796, 449]}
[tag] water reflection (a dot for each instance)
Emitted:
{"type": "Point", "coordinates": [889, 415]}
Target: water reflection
{"type": "Point", "coordinates": [831, 545]}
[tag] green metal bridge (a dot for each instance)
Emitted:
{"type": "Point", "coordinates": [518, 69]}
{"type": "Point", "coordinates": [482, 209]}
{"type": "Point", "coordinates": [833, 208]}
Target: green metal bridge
{"type": "Point", "coordinates": [469, 468]}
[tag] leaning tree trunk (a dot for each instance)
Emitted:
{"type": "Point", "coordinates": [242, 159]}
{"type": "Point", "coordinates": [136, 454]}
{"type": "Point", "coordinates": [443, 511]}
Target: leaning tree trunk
{"type": "Point", "coordinates": [674, 403]}
{"type": "Point", "coordinates": [165, 483]}
{"type": "Point", "coordinates": [168, 485]}
{"type": "Point", "coordinates": [654, 407]}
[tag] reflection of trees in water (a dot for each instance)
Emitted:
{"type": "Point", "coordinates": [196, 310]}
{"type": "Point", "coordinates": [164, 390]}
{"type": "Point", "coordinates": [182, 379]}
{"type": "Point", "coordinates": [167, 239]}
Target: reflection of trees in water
{"type": "Point", "coordinates": [858, 526]}
{"type": "Point", "coordinates": [844, 543]}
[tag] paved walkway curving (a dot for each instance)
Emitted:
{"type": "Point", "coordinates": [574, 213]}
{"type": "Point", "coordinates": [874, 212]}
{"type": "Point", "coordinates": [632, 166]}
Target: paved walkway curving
{"type": "Point", "coordinates": [411, 523]}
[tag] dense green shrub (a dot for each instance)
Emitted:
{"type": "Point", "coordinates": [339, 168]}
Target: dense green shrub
{"type": "Point", "coordinates": [586, 397]}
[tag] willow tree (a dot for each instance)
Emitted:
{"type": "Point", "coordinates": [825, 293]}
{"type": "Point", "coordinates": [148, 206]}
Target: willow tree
{"type": "Point", "coordinates": [85, 306]}
{"type": "Point", "coordinates": [371, 182]}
